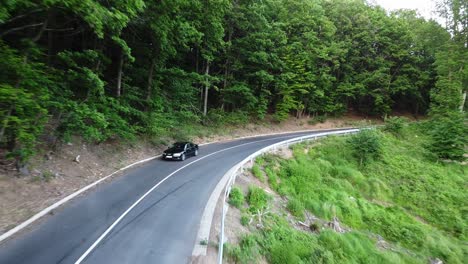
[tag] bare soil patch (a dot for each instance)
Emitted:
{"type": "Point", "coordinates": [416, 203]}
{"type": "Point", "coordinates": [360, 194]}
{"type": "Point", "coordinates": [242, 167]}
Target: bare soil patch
{"type": "Point", "coordinates": [56, 175]}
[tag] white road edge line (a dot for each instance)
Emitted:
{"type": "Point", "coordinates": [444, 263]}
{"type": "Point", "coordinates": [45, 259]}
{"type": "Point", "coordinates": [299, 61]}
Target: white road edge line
{"type": "Point", "coordinates": [49, 209]}
{"type": "Point", "coordinates": [66, 199]}
{"type": "Point", "coordinates": [116, 222]}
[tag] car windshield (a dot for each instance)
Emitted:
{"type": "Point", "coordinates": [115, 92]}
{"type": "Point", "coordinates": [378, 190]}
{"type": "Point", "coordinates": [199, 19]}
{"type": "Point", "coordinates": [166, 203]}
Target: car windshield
{"type": "Point", "coordinates": [178, 145]}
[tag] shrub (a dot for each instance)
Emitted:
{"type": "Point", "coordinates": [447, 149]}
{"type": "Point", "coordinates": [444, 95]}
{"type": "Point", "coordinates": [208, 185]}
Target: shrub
{"type": "Point", "coordinates": [395, 125]}
{"type": "Point", "coordinates": [244, 220]}
{"type": "Point", "coordinates": [236, 197]}
{"type": "Point", "coordinates": [312, 121]}
{"type": "Point", "coordinates": [366, 145]}
{"type": "Point", "coordinates": [321, 118]}
{"type": "Point", "coordinates": [246, 252]}
{"type": "Point", "coordinates": [317, 119]}
{"type": "Point", "coordinates": [258, 173]}
{"type": "Point", "coordinates": [257, 198]}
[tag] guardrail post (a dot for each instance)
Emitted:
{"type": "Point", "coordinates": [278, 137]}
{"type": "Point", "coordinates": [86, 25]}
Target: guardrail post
{"type": "Point", "coordinates": [221, 240]}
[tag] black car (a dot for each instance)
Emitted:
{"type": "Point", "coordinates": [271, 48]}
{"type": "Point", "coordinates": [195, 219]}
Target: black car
{"type": "Point", "coordinates": [180, 151]}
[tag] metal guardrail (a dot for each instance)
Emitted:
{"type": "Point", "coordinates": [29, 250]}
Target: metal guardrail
{"type": "Point", "coordinates": [232, 173]}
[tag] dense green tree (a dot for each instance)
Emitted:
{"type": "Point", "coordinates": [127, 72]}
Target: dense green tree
{"type": "Point", "coordinates": [449, 94]}
{"type": "Point", "coordinates": [118, 69]}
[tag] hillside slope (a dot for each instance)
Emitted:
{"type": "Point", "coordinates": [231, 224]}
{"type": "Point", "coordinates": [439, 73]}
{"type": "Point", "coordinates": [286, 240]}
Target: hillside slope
{"type": "Point", "coordinates": [322, 206]}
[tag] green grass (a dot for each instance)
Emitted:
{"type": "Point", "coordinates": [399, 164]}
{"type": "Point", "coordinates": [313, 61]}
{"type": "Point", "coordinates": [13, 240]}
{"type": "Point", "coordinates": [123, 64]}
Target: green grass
{"type": "Point", "coordinates": [296, 208]}
{"type": "Point", "coordinates": [236, 197]}
{"type": "Point", "coordinates": [257, 199]}
{"type": "Point", "coordinates": [258, 173]}
{"type": "Point", "coordinates": [414, 203]}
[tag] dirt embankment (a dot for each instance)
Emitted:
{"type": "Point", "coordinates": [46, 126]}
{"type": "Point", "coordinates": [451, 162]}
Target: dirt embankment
{"type": "Point", "coordinates": [56, 174]}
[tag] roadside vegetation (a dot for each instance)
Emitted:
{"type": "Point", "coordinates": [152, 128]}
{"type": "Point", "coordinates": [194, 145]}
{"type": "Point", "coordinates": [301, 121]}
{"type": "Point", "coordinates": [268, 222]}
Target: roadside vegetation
{"type": "Point", "coordinates": [380, 196]}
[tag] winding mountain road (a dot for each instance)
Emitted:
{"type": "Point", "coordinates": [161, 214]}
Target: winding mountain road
{"type": "Point", "coordinates": [98, 227]}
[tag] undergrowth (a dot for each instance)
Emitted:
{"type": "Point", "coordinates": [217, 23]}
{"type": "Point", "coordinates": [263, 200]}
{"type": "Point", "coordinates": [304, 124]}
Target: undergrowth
{"type": "Point", "coordinates": [405, 198]}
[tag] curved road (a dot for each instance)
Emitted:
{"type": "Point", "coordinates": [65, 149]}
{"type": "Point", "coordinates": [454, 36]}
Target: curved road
{"type": "Point", "coordinates": [160, 229]}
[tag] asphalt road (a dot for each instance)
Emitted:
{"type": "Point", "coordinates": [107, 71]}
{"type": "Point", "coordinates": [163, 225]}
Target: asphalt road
{"type": "Point", "coordinates": [160, 229]}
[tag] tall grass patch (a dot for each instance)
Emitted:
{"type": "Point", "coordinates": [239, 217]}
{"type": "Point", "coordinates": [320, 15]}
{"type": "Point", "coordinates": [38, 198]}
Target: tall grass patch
{"type": "Point", "coordinates": [401, 195]}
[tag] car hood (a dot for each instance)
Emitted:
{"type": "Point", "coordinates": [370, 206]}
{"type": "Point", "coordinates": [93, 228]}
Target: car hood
{"type": "Point", "coordinates": [173, 150]}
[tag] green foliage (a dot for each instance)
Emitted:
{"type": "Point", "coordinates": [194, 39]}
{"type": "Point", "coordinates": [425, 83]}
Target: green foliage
{"type": "Point", "coordinates": [395, 125]}
{"type": "Point", "coordinates": [23, 102]}
{"type": "Point", "coordinates": [246, 252]}
{"type": "Point", "coordinates": [272, 178]}
{"type": "Point", "coordinates": [366, 145]}
{"type": "Point", "coordinates": [123, 69]}
{"type": "Point", "coordinates": [217, 117]}
{"type": "Point", "coordinates": [296, 208]}
{"type": "Point", "coordinates": [317, 119]}
{"type": "Point", "coordinates": [244, 220]}
{"type": "Point", "coordinates": [236, 197]}
{"type": "Point", "coordinates": [257, 172]}
{"type": "Point", "coordinates": [321, 118]}
{"type": "Point", "coordinates": [257, 199]}
{"type": "Point", "coordinates": [449, 136]}
{"type": "Point", "coordinates": [414, 204]}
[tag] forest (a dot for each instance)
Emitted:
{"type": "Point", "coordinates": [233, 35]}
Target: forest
{"type": "Point", "coordinates": [120, 69]}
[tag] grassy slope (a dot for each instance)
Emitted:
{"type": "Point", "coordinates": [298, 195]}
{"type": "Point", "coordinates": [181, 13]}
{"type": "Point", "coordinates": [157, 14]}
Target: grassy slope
{"type": "Point", "coordinates": [413, 203]}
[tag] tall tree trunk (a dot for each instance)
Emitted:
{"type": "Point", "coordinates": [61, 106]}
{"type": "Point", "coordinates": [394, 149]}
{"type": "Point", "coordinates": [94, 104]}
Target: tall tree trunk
{"type": "Point", "coordinates": [226, 66]}
{"type": "Point", "coordinates": [50, 36]}
{"type": "Point", "coordinates": [119, 75]}
{"type": "Point", "coordinates": [207, 85]}
{"type": "Point", "coordinates": [462, 105]}
{"type": "Point", "coordinates": [5, 123]}
{"type": "Point", "coordinates": [149, 86]}
{"type": "Point", "coordinates": [197, 62]}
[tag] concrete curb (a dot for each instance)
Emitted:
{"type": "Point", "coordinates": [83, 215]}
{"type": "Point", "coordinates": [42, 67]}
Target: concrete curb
{"type": "Point", "coordinates": [49, 209]}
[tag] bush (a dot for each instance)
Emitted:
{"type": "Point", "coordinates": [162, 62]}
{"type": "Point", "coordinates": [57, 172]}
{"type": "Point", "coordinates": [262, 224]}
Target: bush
{"type": "Point", "coordinates": [395, 125]}
{"type": "Point", "coordinates": [246, 252]}
{"type": "Point", "coordinates": [258, 173]}
{"type": "Point", "coordinates": [321, 118]}
{"type": "Point", "coordinates": [257, 199]}
{"type": "Point", "coordinates": [236, 197]}
{"type": "Point", "coordinates": [244, 220]}
{"type": "Point", "coordinates": [317, 119]}
{"type": "Point", "coordinates": [366, 145]}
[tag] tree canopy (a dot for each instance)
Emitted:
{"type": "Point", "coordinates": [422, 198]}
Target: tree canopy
{"type": "Point", "coordinates": [118, 69]}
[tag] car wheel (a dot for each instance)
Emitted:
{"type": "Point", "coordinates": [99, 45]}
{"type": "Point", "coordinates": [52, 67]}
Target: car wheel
{"type": "Point", "coordinates": [182, 157]}
{"type": "Point", "coordinates": [196, 152]}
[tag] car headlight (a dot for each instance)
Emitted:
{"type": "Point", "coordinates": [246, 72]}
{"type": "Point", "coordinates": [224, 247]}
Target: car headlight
{"type": "Point", "coordinates": [177, 154]}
